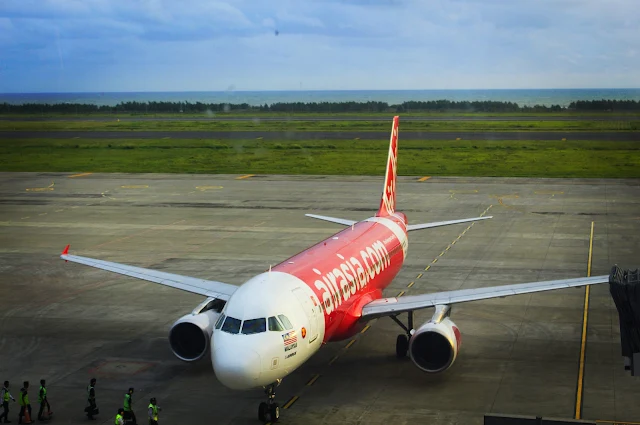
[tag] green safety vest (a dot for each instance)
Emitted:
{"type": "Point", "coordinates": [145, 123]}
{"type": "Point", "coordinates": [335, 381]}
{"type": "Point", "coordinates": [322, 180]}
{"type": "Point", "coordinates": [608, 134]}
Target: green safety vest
{"type": "Point", "coordinates": [118, 418]}
{"type": "Point", "coordinates": [42, 394]}
{"type": "Point", "coordinates": [127, 402]}
{"type": "Point", "coordinates": [155, 411]}
{"type": "Point", "coordinates": [24, 397]}
{"type": "Point", "coordinates": [6, 394]}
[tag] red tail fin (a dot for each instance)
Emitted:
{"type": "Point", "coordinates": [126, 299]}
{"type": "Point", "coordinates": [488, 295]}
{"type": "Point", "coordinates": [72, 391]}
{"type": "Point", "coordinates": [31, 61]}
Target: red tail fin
{"type": "Point", "coordinates": [388, 201]}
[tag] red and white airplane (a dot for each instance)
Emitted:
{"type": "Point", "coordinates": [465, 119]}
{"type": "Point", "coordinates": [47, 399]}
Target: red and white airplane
{"type": "Point", "coordinates": [263, 330]}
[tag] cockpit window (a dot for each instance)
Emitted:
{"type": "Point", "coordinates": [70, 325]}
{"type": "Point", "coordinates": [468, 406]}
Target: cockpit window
{"type": "Point", "coordinates": [231, 325]}
{"type": "Point", "coordinates": [274, 324]}
{"type": "Point", "coordinates": [254, 326]}
{"type": "Point", "coordinates": [220, 320]}
{"type": "Point", "coordinates": [285, 321]}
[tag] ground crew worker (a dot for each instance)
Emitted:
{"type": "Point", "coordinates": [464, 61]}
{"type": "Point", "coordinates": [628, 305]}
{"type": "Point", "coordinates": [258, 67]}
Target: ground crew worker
{"type": "Point", "coordinates": [25, 406]}
{"type": "Point", "coordinates": [42, 399]}
{"type": "Point", "coordinates": [5, 395]}
{"type": "Point", "coordinates": [128, 411]}
{"type": "Point", "coordinates": [91, 400]}
{"type": "Point", "coordinates": [153, 412]}
{"type": "Point", "coordinates": [119, 417]}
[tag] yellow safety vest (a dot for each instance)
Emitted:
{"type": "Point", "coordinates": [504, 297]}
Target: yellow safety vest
{"type": "Point", "coordinates": [155, 411]}
{"type": "Point", "coordinates": [118, 419]}
{"type": "Point", "coordinates": [24, 397]}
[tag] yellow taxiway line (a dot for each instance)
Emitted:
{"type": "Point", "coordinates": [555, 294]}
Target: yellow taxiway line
{"type": "Point", "coordinates": [583, 344]}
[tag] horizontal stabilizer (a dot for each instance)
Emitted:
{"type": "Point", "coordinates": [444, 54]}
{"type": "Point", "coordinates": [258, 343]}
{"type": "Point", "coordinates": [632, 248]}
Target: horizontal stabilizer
{"type": "Point", "coordinates": [443, 223]}
{"type": "Point", "coordinates": [333, 219]}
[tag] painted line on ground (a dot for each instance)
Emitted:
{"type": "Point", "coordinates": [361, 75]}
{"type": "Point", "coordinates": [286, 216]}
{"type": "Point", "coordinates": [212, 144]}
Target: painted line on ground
{"type": "Point", "coordinates": [41, 189]}
{"type": "Point", "coordinates": [135, 186]}
{"type": "Point", "coordinates": [289, 403]}
{"type": "Point", "coordinates": [246, 176]}
{"type": "Point", "coordinates": [313, 380]}
{"type": "Point", "coordinates": [583, 339]}
{"type": "Point", "coordinates": [79, 175]}
{"type": "Point", "coordinates": [410, 284]}
{"type": "Point", "coordinates": [424, 179]}
{"type": "Point", "coordinates": [366, 328]}
{"type": "Point", "coordinates": [205, 188]}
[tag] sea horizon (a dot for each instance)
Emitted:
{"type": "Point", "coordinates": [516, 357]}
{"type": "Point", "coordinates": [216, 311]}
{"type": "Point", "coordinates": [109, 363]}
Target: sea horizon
{"type": "Point", "coordinates": [523, 97]}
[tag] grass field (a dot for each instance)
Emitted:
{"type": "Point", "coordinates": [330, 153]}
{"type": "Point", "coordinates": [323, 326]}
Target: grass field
{"type": "Point", "coordinates": [583, 125]}
{"type": "Point", "coordinates": [596, 114]}
{"type": "Point", "coordinates": [459, 158]}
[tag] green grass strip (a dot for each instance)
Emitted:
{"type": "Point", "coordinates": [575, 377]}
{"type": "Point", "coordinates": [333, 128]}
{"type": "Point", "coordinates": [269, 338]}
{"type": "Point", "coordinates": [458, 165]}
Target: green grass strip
{"type": "Point", "coordinates": [351, 126]}
{"type": "Point", "coordinates": [329, 157]}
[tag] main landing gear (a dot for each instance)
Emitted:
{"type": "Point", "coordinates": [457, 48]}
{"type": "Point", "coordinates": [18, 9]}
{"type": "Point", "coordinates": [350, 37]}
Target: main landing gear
{"type": "Point", "coordinates": [270, 409]}
{"type": "Point", "coordinates": [402, 341]}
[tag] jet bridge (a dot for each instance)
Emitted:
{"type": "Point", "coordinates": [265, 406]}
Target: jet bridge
{"type": "Point", "coordinates": [624, 286]}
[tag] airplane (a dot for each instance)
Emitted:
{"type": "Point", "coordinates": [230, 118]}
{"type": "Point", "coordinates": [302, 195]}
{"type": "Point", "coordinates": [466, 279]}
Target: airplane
{"type": "Point", "coordinates": [261, 331]}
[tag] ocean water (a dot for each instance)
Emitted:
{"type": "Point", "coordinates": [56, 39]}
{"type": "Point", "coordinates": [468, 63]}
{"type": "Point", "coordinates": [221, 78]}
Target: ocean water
{"type": "Point", "coordinates": [522, 97]}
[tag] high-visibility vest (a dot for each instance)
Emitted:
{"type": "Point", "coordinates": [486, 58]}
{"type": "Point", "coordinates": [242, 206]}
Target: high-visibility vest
{"type": "Point", "coordinates": [155, 411]}
{"type": "Point", "coordinates": [6, 393]}
{"type": "Point", "coordinates": [24, 397]}
{"type": "Point", "coordinates": [118, 419]}
{"type": "Point", "coordinates": [127, 402]}
{"type": "Point", "coordinates": [42, 394]}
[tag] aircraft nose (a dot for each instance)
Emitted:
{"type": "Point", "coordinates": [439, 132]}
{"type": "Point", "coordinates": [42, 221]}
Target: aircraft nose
{"type": "Point", "coordinates": [236, 369]}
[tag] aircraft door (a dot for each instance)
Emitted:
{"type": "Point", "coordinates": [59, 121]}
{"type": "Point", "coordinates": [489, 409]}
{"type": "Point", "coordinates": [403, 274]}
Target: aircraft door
{"type": "Point", "coordinates": [310, 310]}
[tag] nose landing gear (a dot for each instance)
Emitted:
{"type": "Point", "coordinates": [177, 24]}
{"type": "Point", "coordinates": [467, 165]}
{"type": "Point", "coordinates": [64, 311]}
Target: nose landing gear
{"type": "Point", "coordinates": [270, 409]}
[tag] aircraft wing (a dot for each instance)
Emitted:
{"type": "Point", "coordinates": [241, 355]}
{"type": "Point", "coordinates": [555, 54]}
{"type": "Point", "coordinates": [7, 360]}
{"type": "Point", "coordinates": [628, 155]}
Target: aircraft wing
{"type": "Point", "coordinates": [209, 288]}
{"type": "Point", "coordinates": [411, 227]}
{"type": "Point", "coordinates": [342, 221]}
{"type": "Point", "coordinates": [393, 306]}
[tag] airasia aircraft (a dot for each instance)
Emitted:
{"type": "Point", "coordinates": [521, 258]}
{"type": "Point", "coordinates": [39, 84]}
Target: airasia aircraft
{"type": "Point", "coordinates": [263, 330]}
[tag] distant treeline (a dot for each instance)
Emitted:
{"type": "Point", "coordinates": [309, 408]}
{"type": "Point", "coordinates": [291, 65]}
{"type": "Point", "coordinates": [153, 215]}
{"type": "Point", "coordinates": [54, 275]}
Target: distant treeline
{"type": "Point", "coordinates": [321, 107]}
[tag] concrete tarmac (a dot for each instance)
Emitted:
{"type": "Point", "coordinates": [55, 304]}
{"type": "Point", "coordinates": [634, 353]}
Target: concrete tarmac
{"type": "Point", "coordinates": [67, 323]}
{"type": "Point", "coordinates": [620, 136]}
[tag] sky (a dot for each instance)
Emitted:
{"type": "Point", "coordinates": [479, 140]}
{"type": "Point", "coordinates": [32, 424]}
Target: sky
{"type": "Point", "coordinates": [209, 45]}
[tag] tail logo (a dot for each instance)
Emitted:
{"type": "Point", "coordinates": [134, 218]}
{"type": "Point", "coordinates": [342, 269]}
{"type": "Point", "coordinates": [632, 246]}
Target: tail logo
{"type": "Point", "coordinates": [388, 201]}
{"type": "Point", "coordinates": [389, 197]}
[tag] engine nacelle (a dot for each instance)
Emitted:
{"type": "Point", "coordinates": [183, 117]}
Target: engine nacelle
{"type": "Point", "coordinates": [190, 336]}
{"type": "Point", "coordinates": [434, 346]}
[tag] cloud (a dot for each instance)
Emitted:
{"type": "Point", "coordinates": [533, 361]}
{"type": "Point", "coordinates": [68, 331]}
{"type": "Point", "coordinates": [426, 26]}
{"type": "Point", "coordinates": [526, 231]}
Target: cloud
{"type": "Point", "coordinates": [140, 45]}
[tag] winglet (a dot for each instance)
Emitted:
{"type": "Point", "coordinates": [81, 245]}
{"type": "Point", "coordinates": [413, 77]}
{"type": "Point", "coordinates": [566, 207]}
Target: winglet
{"type": "Point", "coordinates": [65, 251]}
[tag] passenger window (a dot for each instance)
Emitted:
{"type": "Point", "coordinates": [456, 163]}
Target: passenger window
{"type": "Point", "coordinates": [274, 324]}
{"type": "Point", "coordinates": [285, 321]}
{"type": "Point", "coordinates": [254, 326]}
{"type": "Point", "coordinates": [231, 325]}
{"type": "Point", "coordinates": [220, 320]}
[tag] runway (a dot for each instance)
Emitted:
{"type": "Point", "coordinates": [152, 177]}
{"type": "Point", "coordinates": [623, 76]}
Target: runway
{"type": "Point", "coordinates": [328, 135]}
{"type": "Point", "coordinates": [519, 355]}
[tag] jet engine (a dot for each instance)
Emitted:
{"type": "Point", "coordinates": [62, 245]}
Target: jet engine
{"type": "Point", "coordinates": [190, 336]}
{"type": "Point", "coordinates": [434, 346]}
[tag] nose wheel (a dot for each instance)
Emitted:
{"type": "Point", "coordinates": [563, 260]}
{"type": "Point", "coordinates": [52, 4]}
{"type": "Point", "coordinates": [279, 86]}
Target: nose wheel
{"type": "Point", "coordinates": [270, 411]}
